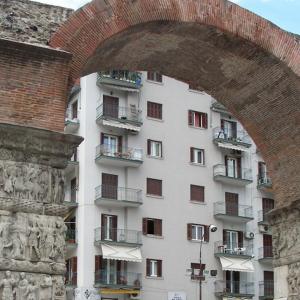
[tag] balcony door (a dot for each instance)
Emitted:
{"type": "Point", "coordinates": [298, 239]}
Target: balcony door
{"type": "Point", "coordinates": [268, 283]}
{"type": "Point", "coordinates": [267, 243]}
{"type": "Point", "coordinates": [229, 129]}
{"type": "Point", "coordinates": [262, 170]}
{"type": "Point", "coordinates": [110, 271]}
{"type": "Point", "coordinates": [111, 107]}
{"type": "Point", "coordinates": [109, 186]}
{"type": "Point", "coordinates": [232, 204]}
{"type": "Point", "coordinates": [231, 240]}
{"type": "Point", "coordinates": [267, 205]}
{"type": "Point", "coordinates": [109, 227]}
{"type": "Point", "coordinates": [232, 282]}
{"type": "Point", "coordinates": [233, 166]}
{"type": "Point", "coordinates": [73, 190]}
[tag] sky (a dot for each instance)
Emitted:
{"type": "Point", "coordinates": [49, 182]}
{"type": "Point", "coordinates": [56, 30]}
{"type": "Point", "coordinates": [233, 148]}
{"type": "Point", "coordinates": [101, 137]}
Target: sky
{"type": "Point", "coordinates": [284, 13]}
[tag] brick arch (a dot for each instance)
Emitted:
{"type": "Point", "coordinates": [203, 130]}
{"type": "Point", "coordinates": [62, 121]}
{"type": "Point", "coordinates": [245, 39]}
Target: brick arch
{"type": "Point", "coordinates": [241, 59]}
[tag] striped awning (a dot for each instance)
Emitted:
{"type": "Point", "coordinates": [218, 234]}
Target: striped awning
{"type": "Point", "coordinates": [117, 252]}
{"type": "Point", "coordinates": [233, 147]}
{"type": "Point", "coordinates": [237, 264]}
{"type": "Point", "coordinates": [121, 125]}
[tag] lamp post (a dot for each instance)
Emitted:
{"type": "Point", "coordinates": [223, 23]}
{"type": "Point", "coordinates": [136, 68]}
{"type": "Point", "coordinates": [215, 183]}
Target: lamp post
{"type": "Point", "coordinates": [212, 228]}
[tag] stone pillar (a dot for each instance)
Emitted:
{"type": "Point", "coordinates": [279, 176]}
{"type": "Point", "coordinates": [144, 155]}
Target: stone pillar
{"type": "Point", "coordinates": [286, 251]}
{"type": "Point", "coordinates": [32, 230]}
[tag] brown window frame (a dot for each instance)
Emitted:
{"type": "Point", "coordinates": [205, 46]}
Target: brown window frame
{"type": "Point", "coordinates": [192, 156]}
{"type": "Point", "coordinates": [197, 266]}
{"type": "Point", "coordinates": [149, 142]}
{"type": "Point", "coordinates": [193, 191]}
{"type": "Point", "coordinates": [203, 119]}
{"type": "Point", "coordinates": [159, 267]}
{"type": "Point", "coordinates": [151, 190]}
{"type": "Point", "coordinates": [157, 226]}
{"type": "Point", "coordinates": [154, 110]}
{"type": "Point", "coordinates": [190, 234]}
{"type": "Point", "coordinates": [154, 76]}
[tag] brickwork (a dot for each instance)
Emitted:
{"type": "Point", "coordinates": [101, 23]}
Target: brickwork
{"type": "Point", "coordinates": [33, 85]}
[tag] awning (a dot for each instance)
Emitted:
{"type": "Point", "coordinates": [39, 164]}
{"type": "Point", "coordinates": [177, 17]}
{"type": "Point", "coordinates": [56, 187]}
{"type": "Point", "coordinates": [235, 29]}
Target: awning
{"type": "Point", "coordinates": [119, 292]}
{"type": "Point", "coordinates": [121, 88]}
{"type": "Point", "coordinates": [121, 125]}
{"type": "Point", "coordinates": [234, 147]}
{"type": "Point", "coordinates": [237, 264]}
{"type": "Point", "coordinates": [121, 253]}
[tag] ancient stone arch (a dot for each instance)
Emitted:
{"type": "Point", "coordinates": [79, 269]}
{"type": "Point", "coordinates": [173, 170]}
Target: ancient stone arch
{"type": "Point", "coordinates": [244, 61]}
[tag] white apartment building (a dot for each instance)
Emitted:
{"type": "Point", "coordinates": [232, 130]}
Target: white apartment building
{"type": "Point", "coordinates": [159, 164]}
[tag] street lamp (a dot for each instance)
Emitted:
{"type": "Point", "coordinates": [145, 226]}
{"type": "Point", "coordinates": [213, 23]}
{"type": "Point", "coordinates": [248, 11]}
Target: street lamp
{"type": "Point", "coordinates": [212, 228]}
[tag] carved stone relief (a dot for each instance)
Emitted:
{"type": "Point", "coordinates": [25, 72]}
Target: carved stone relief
{"type": "Point", "coordinates": [31, 286]}
{"type": "Point", "coordinates": [294, 281]}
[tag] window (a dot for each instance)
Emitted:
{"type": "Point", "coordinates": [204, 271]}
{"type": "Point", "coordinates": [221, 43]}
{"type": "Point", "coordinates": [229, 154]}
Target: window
{"type": "Point", "coordinates": [233, 167]}
{"type": "Point", "coordinates": [152, 226]}
{"type": "Point", "coordinates": [197, 156]}
{"type": "Point", "coordinates": [109, 225]}
{"type": "Point", "coordinates": [197, 193]}
{"type": "Point", "coordinates": [111, 144]}
{"type": "Point", "coordinates": [154, 148]}
{"type": "Point", "coordinates": [154, 76]}
{"type": "Point", "coordinates": [228, 128]}
{"type": "Point", "coordinates": [154, 110]}
{"type": "Point", "coordinates": [71, 274]}
{"type": "Point", "coordinates": [195, 232]}
{"type": "Point", "coordinates": [197, 119]}
{"type": "Point", "coordinates": [75, 110]}
{"type": "Point", "coordinates": [233, 241]}
{"type": "Point", "coordinates": [197, 271]}
{"type": "Point", "coordinates": [73, 190]}
{"type": "Point", "coordinates": [154, 187]}
{"type": "Point", "coordinates": [154, 267]}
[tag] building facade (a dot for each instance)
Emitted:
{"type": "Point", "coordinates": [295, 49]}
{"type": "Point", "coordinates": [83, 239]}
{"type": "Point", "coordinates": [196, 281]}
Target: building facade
{"type": "Point", "coordinates": [153, 173]}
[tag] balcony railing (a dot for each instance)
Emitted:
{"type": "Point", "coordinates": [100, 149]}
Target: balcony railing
{"type": "Point", "coordinates": [262, 216]}
{"type": "Point", "coordinates": [71, 235]}
{"type": "Point", "coordinates": [123, 236]}
{"type": "Point", "coordinates": [264, 181]}
{"type": "Point", "coordinates": [237, 288]}
{"type": "Point", "coordinates": [118, 194]}
{"type": "Point", "coordinates": [265, 252]}
{"type": "Point", "coordinates": [223, 171]}
{"type": "Point", "coordinates": [121, 78]}
{"type": "Point", "coordinates": [225, 249]}
{"type": "Point", "coordinates": [120, 113]}
{"type": "Point", "coordinates": [235, 137]}
{"type": "Point", "coordinates": [118, 279]}
{"type": "Point", "coordinates": [125, 153]}
{"type": "Point", "coordinates": [223, 208]}
{"type": "Point", "coordinates": [266, 289]}
{"type": "Point", "coordinates": [71, 279]}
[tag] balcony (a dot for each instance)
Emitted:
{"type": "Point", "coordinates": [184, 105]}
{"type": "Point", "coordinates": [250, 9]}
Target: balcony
{"type": "Point", "coordinates": [113, 196]}
{"type": "Point", "coordinates": [264, 182]}
{"type": "Point", "coordinates": [71, 200]}
{"type": "Point", "coordinates": [71, 122]}
{"type": "Point", "coordinates": [73, 164]}
{"type": "Point", "coordinates": [231, 139]}
{"type": "Point", "coordinates": [125, 157]}
{"type": "Point", "coordinates": [265, 254]}
{"type": "Point", "coordinates": [233, 213]}
{"type": "Point", "coordinates": [118, 236]}
{"type": "Point", "coordinates": [266, 290]}
{"type": "Point", "coordinates": [234, 289]}
{"type": "Point", "coordinates": [223, 249]}
{"type": "Point", "coordinates": [262, 217]}
{"type": "Point", "coordinates": [232, 176]}
{"type": "Point", "coordinates": [71, 235]}
{"type": "Point", "coordinates": [128, 119]}
{"type": "Point", "coordinates": [118, 280]}
{"type": "Point", "coordinates": [218, 107]}
{"type": "Point", "coordinates": [121, 80]}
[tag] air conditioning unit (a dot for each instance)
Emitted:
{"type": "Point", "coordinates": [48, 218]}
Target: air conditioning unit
{"type": "Point", "coordinates": [249, 235]}
{"type": "Point", "coordinates": [264, 228]}
{"type": "Point", "coordinates": [135, 296]}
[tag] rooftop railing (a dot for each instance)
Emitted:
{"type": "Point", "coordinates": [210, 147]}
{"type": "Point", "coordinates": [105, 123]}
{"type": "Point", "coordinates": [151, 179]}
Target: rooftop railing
{"type": "Point", "coordinates": [121, 113]}
{"type": "Point", "coordinates": [265, 252]}
{"type": "Point", "coordinates": [266, 289]}
{"type": "Point", "coordinates": [124, 153]}
{"type": "Point", "coordinates": [224, 208]}
{"type": "Point", "coordinates": [223, 248]}
{"type": "Point", "coordinates": [234, 287]}
{"type": "Point", "coordinates": [104, 234]}
{"type": "Point", "coordinates": [115, 278]}
{"type": "Point", "coordinates": [118, 193]}
{"type": "Point", "coordinates": [234, 173]}
{"type": "Point", "coordinates": [133, 79]}
{"type": "Point", "coordinates": [231, 136]}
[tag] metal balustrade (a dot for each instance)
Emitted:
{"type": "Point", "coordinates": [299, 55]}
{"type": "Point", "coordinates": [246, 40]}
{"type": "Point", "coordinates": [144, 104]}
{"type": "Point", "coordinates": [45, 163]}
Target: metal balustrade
{"type": "Point", "coordinates": [265, 252]}
{"type": "Point", "coordinates": [118, 279]}
{"type": "Point", "coordinates": [118, 193]}
{"type": "Point", "coordinates": [225, 287]}
{"type": "Point", "coordinates": [222, 248]}
{"type": "Point", "coordinates": [266, 289]}
{"type": "Point", "coordinates": [120, 113]}
{"type": "Point", "coordinates": [114, 235]}
{"type": "Point", "coordinates": [223, 208]}
{"type": "Point", "coordinates": [264, 181]}
{"type": "Point", "coordinates": [262, 216]}
{"type": "Point", "coordinates": [232, 136]}
{"type": "Point", "coordinates": [221, 170]}
{"type": "Point", "coordinates": [120, 77]}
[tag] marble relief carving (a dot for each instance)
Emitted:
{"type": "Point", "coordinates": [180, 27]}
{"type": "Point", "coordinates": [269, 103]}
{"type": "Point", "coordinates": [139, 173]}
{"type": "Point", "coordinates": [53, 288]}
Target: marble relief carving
{"type": "Point", "coordinates": [294, 281]}
{"type": "Point", "coordinates": [30, 286]}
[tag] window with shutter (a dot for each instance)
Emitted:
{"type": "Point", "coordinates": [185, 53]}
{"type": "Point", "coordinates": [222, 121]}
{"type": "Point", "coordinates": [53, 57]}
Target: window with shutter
{"type": "Point", "coordinates": [197, 119]}
{"type": "Point", "coordinates": [154, 110]}
{"type": "Point", "coordinates": [197, 271]}
{"type": "Point", "coordinates": [197, 193]}
{"type": "Point", "coordinates": [154, 76]}
{"type": "Point", "coordinates": [196, 232]}
{"type": "Point", "coordinates": [232, 203]}
{"type": "Point", "coordinates": [152, 226]}
{"type": "Point", "coordinates": [154, 187]}
{"type": "Point", "coordinates": [154, 148]}
{"type": "Point", "coordinates": [153, 267]}
{"type": "Point", "coordinates": [197, 156]}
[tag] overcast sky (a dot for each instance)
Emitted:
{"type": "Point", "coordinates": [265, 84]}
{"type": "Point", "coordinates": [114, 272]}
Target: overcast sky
{"type": "Point", "coordinates": [284, 13]}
